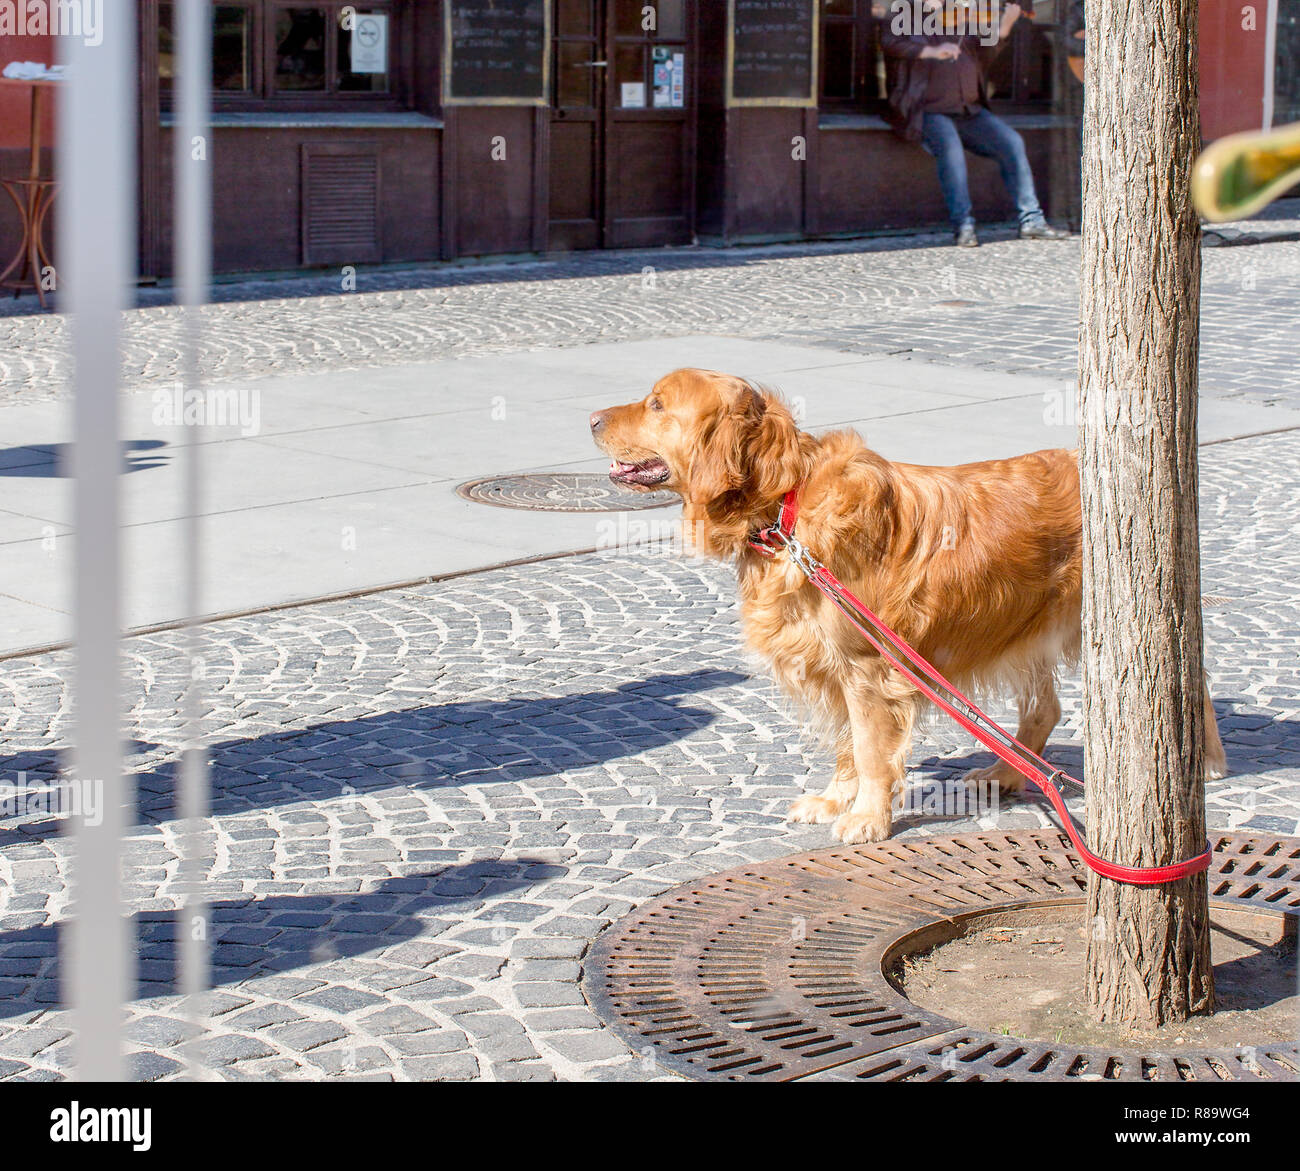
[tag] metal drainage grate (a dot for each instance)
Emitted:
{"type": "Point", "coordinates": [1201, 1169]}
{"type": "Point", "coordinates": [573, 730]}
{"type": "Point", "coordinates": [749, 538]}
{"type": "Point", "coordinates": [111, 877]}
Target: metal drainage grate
{"type": "Point", "coordinates": [775, 972]}
{"type": "Point", "coordinates": [562, 492]}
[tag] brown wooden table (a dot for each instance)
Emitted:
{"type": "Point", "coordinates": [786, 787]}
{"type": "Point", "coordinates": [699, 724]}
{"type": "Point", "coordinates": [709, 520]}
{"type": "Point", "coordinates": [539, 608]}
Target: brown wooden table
{"type": "Point", "coordinates": [32, 196]}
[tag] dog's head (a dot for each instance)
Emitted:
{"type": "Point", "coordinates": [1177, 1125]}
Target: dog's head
{"type": "Point", "coordinates": [714, 439]}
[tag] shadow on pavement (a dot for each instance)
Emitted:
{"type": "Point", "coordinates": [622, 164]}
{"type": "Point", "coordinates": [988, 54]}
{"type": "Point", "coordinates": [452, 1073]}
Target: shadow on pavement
{"type": "Point", "coordinates": [51, 461]}
{"type": "Point", "coordinates": [255, 937]}
{"type": "Point", "coordinates": [440, 746]}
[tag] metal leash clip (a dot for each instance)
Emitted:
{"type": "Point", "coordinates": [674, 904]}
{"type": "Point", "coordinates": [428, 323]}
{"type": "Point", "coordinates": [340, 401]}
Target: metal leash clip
{"type": "Point", "coordinates": [800, 555]}
{"type": "Point", "coordinates": [1060, 779]}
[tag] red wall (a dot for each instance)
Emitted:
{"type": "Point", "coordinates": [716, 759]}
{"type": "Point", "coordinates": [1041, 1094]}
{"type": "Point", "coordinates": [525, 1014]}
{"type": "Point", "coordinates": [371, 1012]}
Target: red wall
{"type": "Point", "coordinates": [1232, 66]}
{"type": "Point", "coordinates": [16, 101]}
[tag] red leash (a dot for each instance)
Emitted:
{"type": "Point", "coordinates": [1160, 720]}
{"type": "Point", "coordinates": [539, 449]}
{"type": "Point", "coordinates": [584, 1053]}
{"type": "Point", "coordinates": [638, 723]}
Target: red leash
{"type": "Point", "coordinates": [930, 683]}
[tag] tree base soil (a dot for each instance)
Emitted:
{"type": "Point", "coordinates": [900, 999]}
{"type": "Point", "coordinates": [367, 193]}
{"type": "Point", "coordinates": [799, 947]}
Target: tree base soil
{"type": "Point", "coordinates": [1023, 976]}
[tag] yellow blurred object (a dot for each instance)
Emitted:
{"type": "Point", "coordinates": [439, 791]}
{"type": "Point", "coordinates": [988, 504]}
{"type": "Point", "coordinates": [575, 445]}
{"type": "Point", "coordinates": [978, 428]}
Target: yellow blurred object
{"type": "Point", "coordinates": [1239, 174]}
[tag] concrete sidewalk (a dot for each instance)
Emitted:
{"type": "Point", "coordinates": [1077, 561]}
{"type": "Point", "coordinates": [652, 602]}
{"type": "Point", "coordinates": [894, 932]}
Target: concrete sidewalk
{"type": "Point", "coordinates": [340, 482]}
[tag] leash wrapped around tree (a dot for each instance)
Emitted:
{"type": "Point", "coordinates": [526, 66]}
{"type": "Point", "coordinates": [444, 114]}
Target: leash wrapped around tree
{"type": "Point", "coordinates": [926, 678]}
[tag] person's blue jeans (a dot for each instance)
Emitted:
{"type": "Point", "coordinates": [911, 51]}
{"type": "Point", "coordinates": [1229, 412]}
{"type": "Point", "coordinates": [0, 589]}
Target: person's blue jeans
{"type": "Point", "coordinates": [948, 138]}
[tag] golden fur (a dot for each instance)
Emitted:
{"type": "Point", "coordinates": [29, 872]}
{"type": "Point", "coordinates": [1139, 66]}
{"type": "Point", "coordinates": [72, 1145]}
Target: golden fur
{"type": "Point", "coordinates": [977, 566]}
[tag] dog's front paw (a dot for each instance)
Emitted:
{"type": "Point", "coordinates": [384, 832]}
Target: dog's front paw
{"type": "Point", "coordinates": [857, 828]}
{"type": "Point", "coordinates": [1009, 782]}
{"type": "Point", "coordinates": [815, 810]}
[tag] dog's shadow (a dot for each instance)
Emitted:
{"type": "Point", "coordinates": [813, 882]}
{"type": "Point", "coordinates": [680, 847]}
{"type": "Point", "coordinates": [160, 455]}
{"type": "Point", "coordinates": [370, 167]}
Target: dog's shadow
{"type": "Point", "coordinates": [448, 746]}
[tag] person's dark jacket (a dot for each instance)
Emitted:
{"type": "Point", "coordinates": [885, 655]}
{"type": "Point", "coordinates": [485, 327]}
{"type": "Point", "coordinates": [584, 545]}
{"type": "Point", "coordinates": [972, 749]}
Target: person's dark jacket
{"type": "Point", "coordinates": [911, 76]}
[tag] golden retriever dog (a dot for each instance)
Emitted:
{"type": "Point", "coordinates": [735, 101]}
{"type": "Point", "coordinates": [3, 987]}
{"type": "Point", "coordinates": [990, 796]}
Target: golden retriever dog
{"type": "Point", "coordinates": [977, 566]}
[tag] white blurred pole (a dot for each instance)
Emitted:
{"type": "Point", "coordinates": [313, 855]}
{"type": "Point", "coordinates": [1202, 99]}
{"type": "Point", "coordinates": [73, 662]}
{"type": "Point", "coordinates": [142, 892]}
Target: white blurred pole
{"type": "Point", "coordinates": [97, 243]}
{"type": "Point", "coordinates": [192, 260]}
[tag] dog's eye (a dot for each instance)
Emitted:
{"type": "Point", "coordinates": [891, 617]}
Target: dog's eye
{"type": "Point", "coordinates": [656, 405]}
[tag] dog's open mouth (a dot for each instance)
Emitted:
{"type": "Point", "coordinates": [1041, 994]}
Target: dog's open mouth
{"type": "Point", "coordinates": [648, 474]}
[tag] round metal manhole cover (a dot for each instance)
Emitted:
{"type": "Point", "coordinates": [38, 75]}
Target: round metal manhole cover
{"type": "Point", "coordinates": [776, 971]}
{"type": "Point", "coordinates": [562, 492]}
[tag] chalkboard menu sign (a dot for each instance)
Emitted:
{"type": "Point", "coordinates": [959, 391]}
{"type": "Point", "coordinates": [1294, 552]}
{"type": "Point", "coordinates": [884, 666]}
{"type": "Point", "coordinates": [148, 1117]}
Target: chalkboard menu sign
{"type": "Point", "coordinates": [772, 52]}
{"type": "Point", "coordinates": [497, 52]}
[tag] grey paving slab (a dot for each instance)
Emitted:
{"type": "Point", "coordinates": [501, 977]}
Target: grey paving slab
{"type": "Point", "coordinates": [25, 623]}
{"type": "Point", "coordinates": [901, 375]}
{"type": "Point", "coordinates": [16, 527]}
{"type": "Point", "coordinates": [457, 445]}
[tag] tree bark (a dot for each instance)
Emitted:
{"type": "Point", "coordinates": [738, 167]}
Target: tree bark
{"type": "Point", "coordinates": [1148, 956]}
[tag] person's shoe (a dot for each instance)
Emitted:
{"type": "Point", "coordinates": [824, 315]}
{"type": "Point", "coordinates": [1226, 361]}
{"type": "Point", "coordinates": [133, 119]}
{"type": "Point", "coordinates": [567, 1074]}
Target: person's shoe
{"type": "Point", "coordinates": [965, 237]}
{"type": "Point", "coordinates": [1042, 230]}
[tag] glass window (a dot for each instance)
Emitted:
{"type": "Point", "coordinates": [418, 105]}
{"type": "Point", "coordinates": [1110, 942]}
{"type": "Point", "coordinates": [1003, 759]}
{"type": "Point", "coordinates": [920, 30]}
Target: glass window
{"type": "Point", "coordinates": [264, 51]}
{"type": "Point", "coordinates": [664, 21]}
{"type": "Point", "coordinates": [300, 49]}
{"type": "Point", "coordinates": [629, 77]}
{"type": "Point", "coordinates": [166, 46]}
{"type": "Point", "coordinates": [837, 61]}
{"type": "Point", "coordinates": [854, 72]}
{"type": "Point", "coordinates": [232, 47]}
{"type": "Point", "coordinates": [232, 57]}
{"type": "Point", "coordinates": [629, 20]}
{"type": "Point", "coordinates": [671, 20]}
{"type": "Point", "coordinates": [851, 67]}
{"type": "Point", "coordinates": [575, 77]}
{"type": "Point", "coordinates": [573, 18]}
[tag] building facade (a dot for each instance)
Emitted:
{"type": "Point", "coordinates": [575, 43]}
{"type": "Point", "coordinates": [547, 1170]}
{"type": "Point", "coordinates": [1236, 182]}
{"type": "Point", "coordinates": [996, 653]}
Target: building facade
{"type": "Point", "coordinates": [423, 130]}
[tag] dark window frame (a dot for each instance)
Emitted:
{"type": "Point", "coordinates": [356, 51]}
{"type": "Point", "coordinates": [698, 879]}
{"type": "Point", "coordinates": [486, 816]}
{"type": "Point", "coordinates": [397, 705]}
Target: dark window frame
{"type": "Point", "coordinates": [863, 27]}
{"type": "Point", "coordinates": [263, 97]}
{"type": "Point", "coordinates": [1286, 63]}
{"type": "Point", "coordinates": [860, 28]}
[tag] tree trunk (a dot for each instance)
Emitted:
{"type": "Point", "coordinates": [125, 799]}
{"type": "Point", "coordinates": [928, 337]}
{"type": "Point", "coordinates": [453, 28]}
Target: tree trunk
{"type": "Point", "coordinates": [1149, 947]}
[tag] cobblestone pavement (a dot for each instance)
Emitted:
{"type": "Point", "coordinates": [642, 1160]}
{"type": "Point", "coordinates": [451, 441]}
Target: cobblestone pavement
{"type": "Point", "coordinates": [427, 802]}
{"type": "Point", "coordinates": [1009, 305]}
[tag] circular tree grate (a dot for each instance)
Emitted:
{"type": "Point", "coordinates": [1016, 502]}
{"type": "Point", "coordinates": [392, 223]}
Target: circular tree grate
{"type": "Point", "coordinates": [776, 972]}
{"type": "Point", "coordinates": [562, 492]}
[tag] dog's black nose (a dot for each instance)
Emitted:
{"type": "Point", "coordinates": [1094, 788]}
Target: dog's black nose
{"type": "Point", "coordinates": [597, 421]}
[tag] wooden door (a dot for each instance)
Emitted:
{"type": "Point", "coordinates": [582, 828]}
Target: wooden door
{"type": "Point", "coordinates": [578, 71]}
{"type": "Point", "coordinates": [650, 131]}
{"type": "Point", "coordinates": [622, 124]}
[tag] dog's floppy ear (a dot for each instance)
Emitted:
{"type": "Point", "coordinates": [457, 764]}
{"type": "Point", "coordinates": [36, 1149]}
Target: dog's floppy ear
{"type": "Point", "coordinates": [774, 460]}
{"type": "Point", "coordinates": [719, 463]}
{"type": "Point", "coordinates": [752, 445]}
